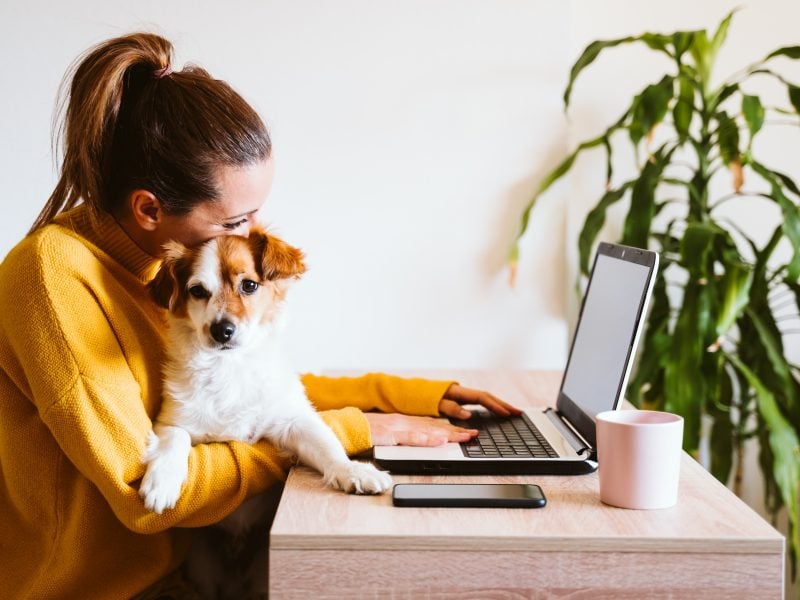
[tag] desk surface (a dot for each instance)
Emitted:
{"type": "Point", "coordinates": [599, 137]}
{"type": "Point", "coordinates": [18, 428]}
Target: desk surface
{"type": "Point", "coordinates": [328, 544]}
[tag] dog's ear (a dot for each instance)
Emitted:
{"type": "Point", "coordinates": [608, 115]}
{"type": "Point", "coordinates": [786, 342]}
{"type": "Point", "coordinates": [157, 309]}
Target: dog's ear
{"type": "Point", "coordinates": [278, 259]}
{"type": "Point", "coordinates": [164, 287]}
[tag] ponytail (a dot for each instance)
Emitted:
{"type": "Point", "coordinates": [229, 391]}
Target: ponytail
{"type": "Point", "coordinates": [131, 123]}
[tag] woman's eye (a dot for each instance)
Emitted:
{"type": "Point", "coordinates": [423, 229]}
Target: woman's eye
{"type": "Point", "coordinates": [249, 286]}
{"type": "Point", "coordinates": [234, 225]}
{"type": "Point", "coordinates": [198, 291]}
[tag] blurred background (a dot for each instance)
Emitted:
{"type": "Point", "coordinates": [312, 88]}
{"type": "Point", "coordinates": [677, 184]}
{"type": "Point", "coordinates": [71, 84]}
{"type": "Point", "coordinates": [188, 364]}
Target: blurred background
{"type": "Point", "coordinates": [408, 136]}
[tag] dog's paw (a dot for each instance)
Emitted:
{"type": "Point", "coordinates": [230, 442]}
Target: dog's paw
{"type": "Point", "coordinates": [358, 478]}
{"type": "Point", "coordinates": [162, 482]}
{"type": "Point", "coordinates": [150, 447]}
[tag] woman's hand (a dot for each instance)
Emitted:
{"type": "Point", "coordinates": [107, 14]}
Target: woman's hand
{"type": "Point", "coordinates": [393, 429]}
{"type": "Point", "coordinates": [396, 429]}
{"type": "Point", "coordinates": [456, 395]}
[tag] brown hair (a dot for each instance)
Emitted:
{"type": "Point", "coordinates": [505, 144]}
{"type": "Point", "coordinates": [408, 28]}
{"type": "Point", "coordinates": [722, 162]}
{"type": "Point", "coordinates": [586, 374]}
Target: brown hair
{"type": "Point", "coordinates": [131, 123]}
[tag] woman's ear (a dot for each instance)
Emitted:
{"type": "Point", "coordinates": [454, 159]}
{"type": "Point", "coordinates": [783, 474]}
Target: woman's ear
{"type": "Point", "coordinates": [278, 259]}
{"type": "Point", "coordinates": [165, 286]}
{"type": "Point", "coordinates": [145, 209]}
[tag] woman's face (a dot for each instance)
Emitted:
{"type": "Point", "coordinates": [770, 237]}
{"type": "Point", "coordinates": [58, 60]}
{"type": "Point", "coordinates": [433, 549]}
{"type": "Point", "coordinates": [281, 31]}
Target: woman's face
{"type": "Point", "coordinates": [243, 192]}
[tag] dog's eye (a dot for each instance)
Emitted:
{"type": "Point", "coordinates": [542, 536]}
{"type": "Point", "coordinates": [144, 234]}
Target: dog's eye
{"type": "Point", "coordinates": [198, 291]}
{"type": "Point", "coordinates": [249, 286]}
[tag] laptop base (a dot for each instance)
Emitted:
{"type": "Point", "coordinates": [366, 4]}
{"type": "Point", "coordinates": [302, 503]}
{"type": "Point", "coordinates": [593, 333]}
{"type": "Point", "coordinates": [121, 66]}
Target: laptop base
{"type": "Point", "coordinates": [484, 467]}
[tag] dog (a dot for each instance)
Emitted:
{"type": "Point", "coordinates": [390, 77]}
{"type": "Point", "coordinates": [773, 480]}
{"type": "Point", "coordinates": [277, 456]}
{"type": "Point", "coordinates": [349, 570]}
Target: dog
{"type": "Point", "coordinates": [227, 376]}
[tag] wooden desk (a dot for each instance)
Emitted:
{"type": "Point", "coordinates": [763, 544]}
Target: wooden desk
{"type": "Point", "coordinates": [325, 544]}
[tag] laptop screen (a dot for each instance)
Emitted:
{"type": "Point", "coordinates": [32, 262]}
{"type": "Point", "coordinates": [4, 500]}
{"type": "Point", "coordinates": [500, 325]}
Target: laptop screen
{"type": "Point", "coordinates": [605, 337]}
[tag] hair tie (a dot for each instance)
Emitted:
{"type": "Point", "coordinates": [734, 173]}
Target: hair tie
{"type": "Point", "coordinates": [162, 72]}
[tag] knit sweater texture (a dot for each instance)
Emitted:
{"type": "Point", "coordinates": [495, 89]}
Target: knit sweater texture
{"type": "Point", "coordinates": [81, 348]}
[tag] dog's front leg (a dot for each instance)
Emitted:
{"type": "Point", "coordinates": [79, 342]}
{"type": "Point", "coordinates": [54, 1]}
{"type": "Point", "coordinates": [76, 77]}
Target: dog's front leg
{"type": "Point", "coordinates": [318, 447]}
{"type": "Point", "coordinates": [167, 460]}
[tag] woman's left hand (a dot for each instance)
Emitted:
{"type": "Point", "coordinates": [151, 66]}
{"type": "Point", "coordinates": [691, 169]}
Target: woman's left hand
{"type": "Point", "coordinates": [392, 429]}
{"type": "Point", "coordinates": [456, 395]}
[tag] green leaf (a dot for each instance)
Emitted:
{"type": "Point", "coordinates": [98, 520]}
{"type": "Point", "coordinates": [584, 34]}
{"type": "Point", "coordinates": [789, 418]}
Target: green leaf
{"type": "Point", "coordinates": [657, 41]}
{"type": "Point", "coordinates": [696, 245]}
{"type": "Point", "coordinates": [795, 287]}
{"type": "Point", "coordinates": [722, 430]}
{"type": "Point", "coordinates": [785, 448]}
{"type": "Point", "coordinates": [770, 339]}
{"type": "Point", "coordinates": [721, 33]}
{"type": "Point", "coordinates": [722, 94]}
{"type": "Point", "coordinates": [776, 372]}
{"type": "Point", "coordinates": [727, 137]}
{"type": "Point", "coordinates": [791, 216]}
{"type": "Point", "coordinates": [650, 107]}
{"type": "Point", "coordinates": [775, 75]}
{"type": "Point", "coordinates": [594, 223]}
{"type": "Point", "coordinates": [649, 370]}
{"type": "Point", "coordinates": [555, 175]}
{"type": "Point", "coordinates": [549, 180]}
{"type": "Point", "coordinates": [681, 41]}
{"type": "Point", "coordinates": [701, 53]}
{"type": "Point", "coordinates": [592, 51]}
{"type": "Point", "coordinates": [636, 229]}
{"type": "Point", "coordinates": [787, 181]}
{"type": "Point", "coordinates": [753, 113]}
{"type": "Point", "coordinates": [684, 107]}
{"type": "Point", "coordinates": [794, 97]}
{"type": "Point", "coordinates": [609, 165]}
{"type": "Point", "coordinates": [704, 51]}
{"type": "Point", "coordinates": [763, 255]}
{"type": "Point", "coordinates": [766, 460]}
{"type": "Point", "coordinates": [685, 386]}
{"type": "Point", "coordinates": [792, 52]}
{"type": "Point", "coordinates": [735, 291]}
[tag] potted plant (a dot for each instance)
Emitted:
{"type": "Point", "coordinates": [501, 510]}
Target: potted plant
{"type": "Point", "coordinates": [713, 348]}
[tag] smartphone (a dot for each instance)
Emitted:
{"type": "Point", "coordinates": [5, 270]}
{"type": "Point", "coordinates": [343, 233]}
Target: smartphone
{"type": "Point", "coordinates": [469, 495]}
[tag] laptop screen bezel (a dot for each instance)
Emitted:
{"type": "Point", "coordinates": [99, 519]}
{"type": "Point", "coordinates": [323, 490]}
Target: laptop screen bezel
{"type": "Point", "coordinates": [567, 408]}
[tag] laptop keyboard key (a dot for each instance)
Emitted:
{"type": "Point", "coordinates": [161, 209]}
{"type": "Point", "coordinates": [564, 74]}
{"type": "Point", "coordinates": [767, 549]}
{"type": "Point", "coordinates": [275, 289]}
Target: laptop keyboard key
{"type": "Point", "coordinates": [515, 437]}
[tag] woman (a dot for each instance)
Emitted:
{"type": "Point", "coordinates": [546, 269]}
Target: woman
{"type": "Point", "coordinates": [149, 155]}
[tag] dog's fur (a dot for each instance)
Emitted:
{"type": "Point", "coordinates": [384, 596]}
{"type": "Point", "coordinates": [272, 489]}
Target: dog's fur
{"type": "Point", "coordinates": [227, 376]}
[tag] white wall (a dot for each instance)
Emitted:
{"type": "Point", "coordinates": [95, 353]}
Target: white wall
{"type": "Point", "coordinates": [407, 135]}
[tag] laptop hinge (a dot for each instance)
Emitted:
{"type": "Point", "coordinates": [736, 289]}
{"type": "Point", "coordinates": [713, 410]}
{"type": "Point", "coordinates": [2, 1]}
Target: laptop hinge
{"type": "Point", "coordinates": [580, 445]}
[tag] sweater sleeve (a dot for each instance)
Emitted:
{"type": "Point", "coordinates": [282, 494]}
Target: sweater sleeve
{"type": "Point", "coordinates": [377, 391]}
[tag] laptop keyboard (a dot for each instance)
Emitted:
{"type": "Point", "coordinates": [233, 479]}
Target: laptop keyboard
{"type": "Point", "coordinates": [504, 437]}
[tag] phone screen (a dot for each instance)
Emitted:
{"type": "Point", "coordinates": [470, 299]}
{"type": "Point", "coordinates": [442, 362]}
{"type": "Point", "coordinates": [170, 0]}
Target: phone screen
{"type": "Point", "coordinates": [502, 495]}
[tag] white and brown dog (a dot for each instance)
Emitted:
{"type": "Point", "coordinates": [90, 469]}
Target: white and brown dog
{"type": "Point", "coordinates": [227, 376]}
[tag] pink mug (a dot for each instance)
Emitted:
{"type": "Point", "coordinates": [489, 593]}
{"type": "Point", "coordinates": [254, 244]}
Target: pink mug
{"type": "Point", "coordinates": [639, 457]}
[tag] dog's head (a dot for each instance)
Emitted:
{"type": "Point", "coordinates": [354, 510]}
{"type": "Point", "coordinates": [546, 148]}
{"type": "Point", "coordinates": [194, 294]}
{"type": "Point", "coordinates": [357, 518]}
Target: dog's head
{"type": "Point", "coordinates": [228, 288]}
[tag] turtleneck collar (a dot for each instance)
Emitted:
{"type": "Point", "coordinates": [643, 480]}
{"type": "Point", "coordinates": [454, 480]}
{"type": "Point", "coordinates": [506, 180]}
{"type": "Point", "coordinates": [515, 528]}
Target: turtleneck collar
{"type": "Point", "coordinates": [104, 231]}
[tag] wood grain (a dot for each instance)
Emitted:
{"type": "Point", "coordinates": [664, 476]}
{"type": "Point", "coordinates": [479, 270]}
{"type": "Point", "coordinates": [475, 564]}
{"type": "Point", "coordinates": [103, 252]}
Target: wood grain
{"type": "Point", "coordinates": [473, 573]}
{"type": "Point", "coordinates": [327, 544]}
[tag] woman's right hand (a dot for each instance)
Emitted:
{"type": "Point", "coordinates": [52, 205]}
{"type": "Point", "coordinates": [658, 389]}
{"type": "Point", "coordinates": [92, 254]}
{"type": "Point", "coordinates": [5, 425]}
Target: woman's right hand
{"type": "Point", "coordinates": [393, 429]}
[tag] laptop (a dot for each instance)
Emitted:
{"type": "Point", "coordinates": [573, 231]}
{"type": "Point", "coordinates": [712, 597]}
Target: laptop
{"type": "Point", "coordinates": [560, 440]}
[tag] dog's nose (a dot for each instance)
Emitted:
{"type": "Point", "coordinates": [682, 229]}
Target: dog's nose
{"type": "Point", "coordinates": [223, 330]}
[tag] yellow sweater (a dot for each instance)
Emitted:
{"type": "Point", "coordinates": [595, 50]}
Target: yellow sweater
{"type": "Point", "coordinates": [80, 351]}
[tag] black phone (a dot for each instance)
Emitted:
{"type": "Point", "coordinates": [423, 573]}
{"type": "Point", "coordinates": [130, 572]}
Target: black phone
{"type": "Point", "coordinates": [469, 495]}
